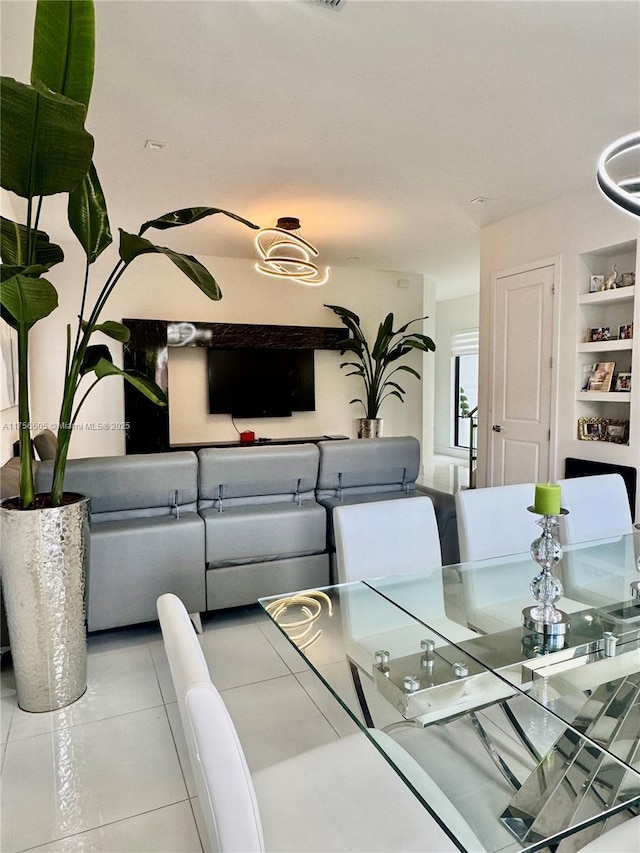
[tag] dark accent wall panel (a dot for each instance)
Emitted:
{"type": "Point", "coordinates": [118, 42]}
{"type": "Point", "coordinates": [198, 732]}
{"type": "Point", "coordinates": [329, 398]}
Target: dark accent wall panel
{"type": "Point", "coordinates": [147, 352]}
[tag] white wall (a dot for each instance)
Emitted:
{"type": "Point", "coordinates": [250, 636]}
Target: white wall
{"type": "Point", "coordinates": [153, 288]}
{"type": "Point", "coordinates": [453, 315]}
{"type": "Point", "coordinates": [564, 228]}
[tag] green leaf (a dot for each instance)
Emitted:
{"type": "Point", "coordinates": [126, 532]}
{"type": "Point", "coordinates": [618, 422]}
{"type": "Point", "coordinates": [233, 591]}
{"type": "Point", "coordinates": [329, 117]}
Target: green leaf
{"type": "Point", "coordinates": [9, 270]}
{"type": "Point", "coordinates": [188, 215]}
{"type": "Point", "coordinates": [131, 246]}
{"type": "Point", "coordinates": [13, 245]}
{"type": "Point", "coordinates": [114, 330]}
{"type": "Point", "coordinates": [88, 218]}
{"type": "Point", "coordinates": [424, 346]}
{"type": "Point", "coordinates": [395, 385]}
{"type": "Point", "coordinates": [351, 345]}
{"type": "Point", "coordinates": [383, 338]}
{"type": "Point", "coordinates": [406, 325]}
{"type": "Point", "coordinates": [143, 384]}
{"type": "Point", "coordinates": [43, 144]}
{"type": "Point", "coordinates": [344, 312]}
{"type": "Point", "coordinates": [64, 47]}
{"type": "Point", "coordinates": [408, 370]}
{"type": "Point", "coordinates": [27, 299]}
{"type": "Point", "coordinates": [92, 356]}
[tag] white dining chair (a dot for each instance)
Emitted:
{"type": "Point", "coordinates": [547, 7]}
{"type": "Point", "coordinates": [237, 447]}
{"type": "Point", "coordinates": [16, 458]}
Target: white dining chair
{"type": "Point", "coordinates": [495, 530]}
{"type": "Point", "coordinates": [598, 508]}
{"type": "Point", "coordinates": [624, 838]}
{"type": "Point", "coordinates": [390, 537]}
{"type": "Point", "coordinates": [342, 796]}
{"type": "Point", "coordinates": [495, 521]}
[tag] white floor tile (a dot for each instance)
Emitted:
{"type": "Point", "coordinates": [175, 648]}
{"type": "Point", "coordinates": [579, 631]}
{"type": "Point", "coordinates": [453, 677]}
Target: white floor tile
{"type": "Point", "coordinates": [82, 777]}
{"type": "Point", "coordinates": [168, 830]}
{"type": "Point", "coordinates": [240, 655]}
{"type": "Point", "coordinates": [8, 705]}
{"type": "Point", "coordinates": [267, 704]}
{"type": "Point", "coordinates": [122, 638]}
{"type": "Point", "coordinates": [118, 682]}
{"type": "Point", "coordinates": [264, 748]}
{"type": "Point", "coordinates": [284, 648]}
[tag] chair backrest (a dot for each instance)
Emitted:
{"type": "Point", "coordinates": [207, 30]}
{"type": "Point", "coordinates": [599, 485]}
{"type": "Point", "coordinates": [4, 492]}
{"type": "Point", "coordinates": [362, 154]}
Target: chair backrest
{"type": "Point", "coordinates": [495, 521]}
{"type": "Point", "coordinates": [598, 508]}
{"type": "Point", "coordinates": [390, 537]}
{"type": "Point", "coordinates": [223, 781]}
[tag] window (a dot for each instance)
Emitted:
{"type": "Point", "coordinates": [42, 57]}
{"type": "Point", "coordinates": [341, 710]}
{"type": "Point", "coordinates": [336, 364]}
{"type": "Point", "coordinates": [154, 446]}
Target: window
{"type": "Point", "coordinates": [464, 386]}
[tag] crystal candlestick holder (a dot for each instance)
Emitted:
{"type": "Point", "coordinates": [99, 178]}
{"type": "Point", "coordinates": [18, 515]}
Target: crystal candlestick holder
{"type": "Point", "coordinates": [544, 617]}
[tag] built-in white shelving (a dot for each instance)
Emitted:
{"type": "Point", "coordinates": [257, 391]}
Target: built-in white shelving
{"type": "Point", "coordinates": [612, 313]}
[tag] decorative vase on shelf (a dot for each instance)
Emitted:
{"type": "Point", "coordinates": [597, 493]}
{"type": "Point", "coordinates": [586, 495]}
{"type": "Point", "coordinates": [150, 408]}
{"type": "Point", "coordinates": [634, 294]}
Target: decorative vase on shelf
{"type": "Point", "coordinates": [44, 555]}
{"type": "Point", "coordinates": [369, 427]}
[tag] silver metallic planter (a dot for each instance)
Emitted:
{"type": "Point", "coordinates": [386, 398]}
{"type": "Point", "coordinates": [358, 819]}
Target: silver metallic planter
{"type": "Point", "coordinates": [369, 427]}
{"type": "Point", "coordinates": [44, 553]}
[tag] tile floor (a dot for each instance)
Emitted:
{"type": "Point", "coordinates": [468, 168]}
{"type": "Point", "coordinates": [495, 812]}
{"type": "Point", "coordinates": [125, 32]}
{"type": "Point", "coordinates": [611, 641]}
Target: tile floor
{"type": "Point", "coordinates": [110, 773]}
{"type": "Point", "coordinates": [446, 473]}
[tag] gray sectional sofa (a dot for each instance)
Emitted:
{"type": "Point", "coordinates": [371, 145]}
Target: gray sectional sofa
{"type": "Point", "coordinates": [226, 526]}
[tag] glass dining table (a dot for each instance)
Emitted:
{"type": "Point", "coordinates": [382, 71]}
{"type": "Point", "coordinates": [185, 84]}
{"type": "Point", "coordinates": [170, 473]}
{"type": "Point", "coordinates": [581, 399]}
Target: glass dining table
{"type": "Point", "coordinates": [511, 739]}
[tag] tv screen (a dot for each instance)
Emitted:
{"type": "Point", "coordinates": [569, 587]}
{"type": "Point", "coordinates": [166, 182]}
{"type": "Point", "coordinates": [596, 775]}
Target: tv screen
{"type": "Point", "coordinates": [261, 383]}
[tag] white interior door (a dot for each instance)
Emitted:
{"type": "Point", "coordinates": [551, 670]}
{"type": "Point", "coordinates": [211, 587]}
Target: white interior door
{"type": "Point", "coordinates": [522, 369]}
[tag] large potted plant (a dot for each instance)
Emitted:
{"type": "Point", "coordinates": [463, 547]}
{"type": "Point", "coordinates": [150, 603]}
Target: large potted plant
{"type": "Point", "coordinates": [46, 150]}
{"type": "Point", "coordinates": [376, 364]}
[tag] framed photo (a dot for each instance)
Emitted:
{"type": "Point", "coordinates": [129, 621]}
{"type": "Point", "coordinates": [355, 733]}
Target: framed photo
{"type": "Point", "coordinates": [625, 333]}
{"type": "Point", "coordinates": [601, 376]}
{"type": "Point", "coordinates": [596, 283]}
{"type": "Point", "coordinates": [587, 370]}
{"type": "Point", "coordinates": [592, 429]}
{"type": "Point", "coordinates": [617, 431]}
{"type": "Point", "coordinates": [623, 382]}
{"type": "Point", "coordinates": [601, 333]}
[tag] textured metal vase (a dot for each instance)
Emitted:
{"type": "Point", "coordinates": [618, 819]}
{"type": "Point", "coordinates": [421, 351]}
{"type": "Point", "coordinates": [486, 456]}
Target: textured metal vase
{"type": "Point", "coordinates": [369, 427]}
{"type": "Point", "coordinates": [44, 554]}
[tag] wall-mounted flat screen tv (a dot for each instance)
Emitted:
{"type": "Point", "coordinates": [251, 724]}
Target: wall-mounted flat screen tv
{"type": "Point", "coordinates": [261, 383]}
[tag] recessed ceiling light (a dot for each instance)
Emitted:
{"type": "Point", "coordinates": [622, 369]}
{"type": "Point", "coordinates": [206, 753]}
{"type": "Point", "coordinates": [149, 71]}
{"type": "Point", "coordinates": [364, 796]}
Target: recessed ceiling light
{"type": "Point", "coordinates": [153, 145]}
{"type": "Point", "coordinates": [479, 199]}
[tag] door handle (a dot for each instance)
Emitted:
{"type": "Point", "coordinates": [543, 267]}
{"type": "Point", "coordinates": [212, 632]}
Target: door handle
{"type": "Point", "coordinates": [496, 428]}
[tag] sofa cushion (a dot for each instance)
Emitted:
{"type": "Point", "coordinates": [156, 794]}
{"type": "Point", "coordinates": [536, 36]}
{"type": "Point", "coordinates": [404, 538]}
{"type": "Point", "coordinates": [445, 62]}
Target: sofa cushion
{"type": "Point", "coordinates": [133, 562]}
{"type": "Point", "coordinates": [371, 465]}
{"type": "Point", "coordinates": [263, 532]}
{"type": "Point", "coordinates": [252, 474]}
{"type": "Point", "coordinates": [124, 484]}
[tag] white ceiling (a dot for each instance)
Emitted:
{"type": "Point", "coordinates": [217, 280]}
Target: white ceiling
{"type": "Point", "coordinates": [375, 123]}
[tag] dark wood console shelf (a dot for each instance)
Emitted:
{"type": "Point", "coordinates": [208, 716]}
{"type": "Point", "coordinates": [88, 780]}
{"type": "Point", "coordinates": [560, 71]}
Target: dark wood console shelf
{"type": "Point", "coordinates": [266, 442]}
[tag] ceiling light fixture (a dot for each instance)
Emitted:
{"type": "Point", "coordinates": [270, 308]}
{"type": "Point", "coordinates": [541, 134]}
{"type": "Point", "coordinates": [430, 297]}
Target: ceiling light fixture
{"type": "Point", "coordinates": [624, 192]}
{"type": "Point", "coordinates": [285, 254]}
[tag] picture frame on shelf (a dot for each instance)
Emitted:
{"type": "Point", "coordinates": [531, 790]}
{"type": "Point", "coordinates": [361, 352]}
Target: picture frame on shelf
{"type": "Point", "coordinates": [592, 429]}
{"type": "Point", "coordinates": [601, 376]}
{"type": "Point", "coordinates": [599, 334]}
{"type": "Point", "coordinates": [587, 370]}
{"type": "Point", "coordinates": [628, 279]}
{"type": "Point", "coordinates": [625, 333]}
{"type": "Point", "coordinates": [623, 382]}
{"type": "Point", "coordinates": [617, 431]}
{"type": "Point", "coordinates": [596, 283]}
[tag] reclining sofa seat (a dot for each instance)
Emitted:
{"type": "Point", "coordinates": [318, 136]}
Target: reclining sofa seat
{"type": "Point", "coordinates": [378, 469]}
{"type": "Point", "coordinates": [146, 537]}
{"type": "Point", "coordinates": [265, 533]}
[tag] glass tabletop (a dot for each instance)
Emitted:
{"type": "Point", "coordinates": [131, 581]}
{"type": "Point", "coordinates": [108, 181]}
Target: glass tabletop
{"type": "Point", "coordinates": [499, 771]}
{"type": "Point", "coordinates": [590, 676]}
